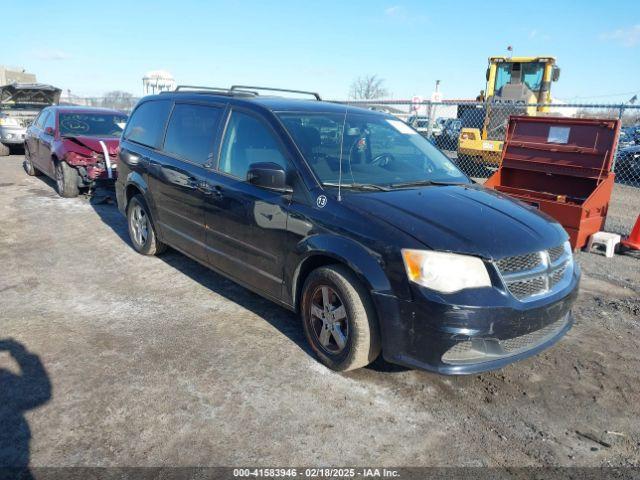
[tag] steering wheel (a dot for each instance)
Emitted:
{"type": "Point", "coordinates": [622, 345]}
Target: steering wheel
{"type": "Point", "coordinates": [383, 159]}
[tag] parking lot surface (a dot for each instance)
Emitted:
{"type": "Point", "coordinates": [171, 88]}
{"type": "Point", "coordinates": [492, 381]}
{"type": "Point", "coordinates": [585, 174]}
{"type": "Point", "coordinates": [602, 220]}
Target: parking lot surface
{"type": "Point", "coordinates": [159, 361]}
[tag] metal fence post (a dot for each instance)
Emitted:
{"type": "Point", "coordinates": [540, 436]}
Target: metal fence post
{"type": "Point", "coordinates": [615, 153]}
{"type": "Point", "coordinates": [431, 116]}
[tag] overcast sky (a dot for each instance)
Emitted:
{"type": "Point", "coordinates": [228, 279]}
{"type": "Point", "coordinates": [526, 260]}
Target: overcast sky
{"type": "Point", "coordinates": [92, 47]}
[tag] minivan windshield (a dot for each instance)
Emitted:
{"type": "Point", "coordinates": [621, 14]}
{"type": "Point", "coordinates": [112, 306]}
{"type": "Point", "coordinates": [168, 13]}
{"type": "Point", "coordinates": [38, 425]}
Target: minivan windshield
{"type": "Point", "coordinates": [92, 124]}
{"type": "Point", "coordinates": [373, 150]}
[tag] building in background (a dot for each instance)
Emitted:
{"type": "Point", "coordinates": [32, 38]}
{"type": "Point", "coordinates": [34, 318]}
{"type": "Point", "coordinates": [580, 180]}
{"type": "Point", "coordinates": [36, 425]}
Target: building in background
{"type": "Point", "coordinates": [158, 81]}
{"type": "Point", "coordinates": [17, 75]}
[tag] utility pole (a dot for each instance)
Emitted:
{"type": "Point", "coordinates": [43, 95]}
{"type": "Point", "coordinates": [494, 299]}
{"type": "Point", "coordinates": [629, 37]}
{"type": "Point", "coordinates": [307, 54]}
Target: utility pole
{"type": "Point", "coordinates": [435, 97]}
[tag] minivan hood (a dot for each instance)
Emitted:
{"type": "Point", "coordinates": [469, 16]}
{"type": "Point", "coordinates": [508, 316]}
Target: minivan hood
{"type": "Point", "coordinates": [464, 219]}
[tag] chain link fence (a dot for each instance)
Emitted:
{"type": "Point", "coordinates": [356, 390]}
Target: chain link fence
{"type": "Point", "coordinates": [471, 133]}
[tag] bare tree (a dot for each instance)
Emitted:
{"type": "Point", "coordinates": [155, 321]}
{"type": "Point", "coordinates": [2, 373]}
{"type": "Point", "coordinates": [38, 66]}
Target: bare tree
{"type": "Point", "coordinates": [118, 99]}
{"type": "Point", "coordinates": [368, 87]}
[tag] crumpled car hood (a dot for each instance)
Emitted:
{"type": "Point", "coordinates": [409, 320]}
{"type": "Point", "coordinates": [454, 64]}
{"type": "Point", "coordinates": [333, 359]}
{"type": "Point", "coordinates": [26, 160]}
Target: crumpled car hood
{"type": "Point", "coordinates": [29, 94]}
{"type": "Point", "coordinates": [464, 219]}
{"type": "Point", "coordinates": [91, 144]}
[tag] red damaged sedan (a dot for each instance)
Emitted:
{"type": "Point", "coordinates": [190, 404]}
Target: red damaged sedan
{"type": "Point", "coordinates": [75, 146]}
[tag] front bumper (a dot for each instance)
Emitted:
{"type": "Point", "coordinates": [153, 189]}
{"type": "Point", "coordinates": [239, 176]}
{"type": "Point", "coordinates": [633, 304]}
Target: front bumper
{"type": "Point", "coordinates": [12, 135]}
{"type": "Point", "coordinates": [96, 174]}
{"type": "Point", "coordinates": [433, 333]}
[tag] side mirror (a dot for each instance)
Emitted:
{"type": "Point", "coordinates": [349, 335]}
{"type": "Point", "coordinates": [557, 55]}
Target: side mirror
{"type": "Point", "coordinates": [555, 74]}
{"type": "Point", "coordinates": [268, 175]}
{"type": "Point", "coordinates": [49, 131]}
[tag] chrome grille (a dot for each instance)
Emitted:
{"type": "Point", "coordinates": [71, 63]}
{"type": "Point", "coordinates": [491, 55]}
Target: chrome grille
{"type": "Point", "coordinates": [519, 263]}
{"type": "Point", "coordinates": [526, 288]}
{"type": "Point", "coordinates": [537, 273]}
{"type": "Point", "coordinates": [556, 276]}
{"type": "Point", "coordinates": [555, 253]}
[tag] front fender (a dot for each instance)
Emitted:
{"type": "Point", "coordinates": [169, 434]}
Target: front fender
{"type": "Point", "coordinates": [58, 151]}
{"type": "Point", "coordinates": [367, 264]}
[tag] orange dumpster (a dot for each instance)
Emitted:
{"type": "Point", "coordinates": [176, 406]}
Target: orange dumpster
{"type": "Point", "coordinates": [562, 166]}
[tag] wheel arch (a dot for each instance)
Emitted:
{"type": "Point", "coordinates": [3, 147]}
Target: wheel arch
{"type": "Point", "coordinates": [325, 250]}
{"type": "Point", "coordinates": [136, 184]}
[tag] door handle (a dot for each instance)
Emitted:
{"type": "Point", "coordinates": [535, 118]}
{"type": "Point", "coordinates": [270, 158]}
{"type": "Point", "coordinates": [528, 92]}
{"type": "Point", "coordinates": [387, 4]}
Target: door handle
{"type": "Point", "coordinates": [217, 191]}
{"type": "Point", "coordinates": [202, 186]}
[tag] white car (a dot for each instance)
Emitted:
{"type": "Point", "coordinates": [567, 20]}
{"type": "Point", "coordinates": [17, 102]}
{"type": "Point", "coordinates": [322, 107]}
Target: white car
{"type": "Point", "coordinates": [20, 104]}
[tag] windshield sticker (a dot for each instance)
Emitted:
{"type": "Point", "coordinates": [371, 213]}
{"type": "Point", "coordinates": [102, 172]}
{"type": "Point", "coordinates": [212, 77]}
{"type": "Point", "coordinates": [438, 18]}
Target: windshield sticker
{"type": "Point", "coordinates": [402, 127]}
{"type": "Point", "coordinates": [121, 124]}
{"type": "Point", "coordinates": [558, 135]}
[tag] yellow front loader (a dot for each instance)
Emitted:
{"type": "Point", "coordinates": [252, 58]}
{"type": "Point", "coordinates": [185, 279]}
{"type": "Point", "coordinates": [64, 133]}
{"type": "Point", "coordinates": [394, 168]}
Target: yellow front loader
{"type": "Point", "coordinates": [512, 84]}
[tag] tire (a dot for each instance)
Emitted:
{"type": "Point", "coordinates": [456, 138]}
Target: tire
{"type": "Point", "coordinates": [28, 165]}
{"type": "Point", "coordinates": [351, 341]}
{"type": "Point", "coordinates": [4, 150]}
{"type": "Point", "coordinates": [66, 180]}
{"type": "Point", "coordinates": [141, 230]}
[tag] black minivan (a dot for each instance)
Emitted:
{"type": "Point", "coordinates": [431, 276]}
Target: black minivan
{"type": "Point", "coordinates": [351, 218]}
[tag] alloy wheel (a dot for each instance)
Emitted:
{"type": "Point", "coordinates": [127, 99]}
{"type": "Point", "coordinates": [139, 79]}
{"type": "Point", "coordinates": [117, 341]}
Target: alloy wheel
{"type": "Point", "coordinates": [139, 225]}
{"type": "Point", "coordinates": [328, 319]}
{"type": "Point", "coordinates": [59, 178]}
{"type": "Point", "coordinates": [28, 164]}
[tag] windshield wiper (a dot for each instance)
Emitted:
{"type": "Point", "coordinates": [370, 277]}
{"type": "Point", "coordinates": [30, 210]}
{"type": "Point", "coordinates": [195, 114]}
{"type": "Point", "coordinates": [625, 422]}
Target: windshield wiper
{"type": "Point", "coordinates": [359, 186]}
{"type": "Point", "coordinates": [419, 183]}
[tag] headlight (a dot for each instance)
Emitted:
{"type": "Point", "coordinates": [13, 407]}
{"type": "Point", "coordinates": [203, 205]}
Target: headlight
{"type": "Point", "coordinates": [568, 251]}
{"type": "Point", "coordinates": [445, 272]}
{"type": "Point", "coordinates": [9, 122]}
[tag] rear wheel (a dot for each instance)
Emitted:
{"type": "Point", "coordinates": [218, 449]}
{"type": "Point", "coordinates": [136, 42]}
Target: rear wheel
{"type": "Point", "coordinates": [66, 180]}
{"type": "Point", "coordinates": [28, 165]}
{"type": "Point", "coordinates": [141, 230]}
{"type": "Point", "coordinates": [339, 319]}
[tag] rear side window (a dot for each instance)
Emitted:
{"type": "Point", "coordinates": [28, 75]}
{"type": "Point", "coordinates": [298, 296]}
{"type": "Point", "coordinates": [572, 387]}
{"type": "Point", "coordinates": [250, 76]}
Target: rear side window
{"type": "Point", "coordinates": [248, 140]}
{"type": "Point", "coordinates": [191, 131]}
{"type": "Point", "coordinates": [41, 118]}
{"type": "Point", "coordinates": [50, 122]}
{"type": "Point", "coordinates": [147, 123]}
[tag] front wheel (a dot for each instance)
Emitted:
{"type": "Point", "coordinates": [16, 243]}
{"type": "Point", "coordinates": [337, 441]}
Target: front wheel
{"type": "Point", "coordinates": [339, 319]}
{"type": "Point", "coordinates": [66, 180]}
{"type": "Point", "coordinates": [141, 231]}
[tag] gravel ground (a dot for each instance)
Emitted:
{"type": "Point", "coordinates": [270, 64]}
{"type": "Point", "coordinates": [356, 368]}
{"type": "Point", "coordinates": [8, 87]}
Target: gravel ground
{"type": "Point", "coordinates": [159, 361]}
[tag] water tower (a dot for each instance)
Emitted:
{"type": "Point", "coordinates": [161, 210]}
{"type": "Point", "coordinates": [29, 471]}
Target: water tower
{"type": "Point", "coordinates": [157, 81]}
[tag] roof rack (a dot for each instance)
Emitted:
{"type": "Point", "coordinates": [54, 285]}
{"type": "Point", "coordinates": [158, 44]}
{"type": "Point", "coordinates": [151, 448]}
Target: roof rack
{"type": "Point", "coordinates": [249, 88]}
{"type": "Point", "coordinates": [237, 90]}
{"type": "Point", "coordinates": [196, 87]}
{"type": "Point", "coordinates": [216, 90]}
